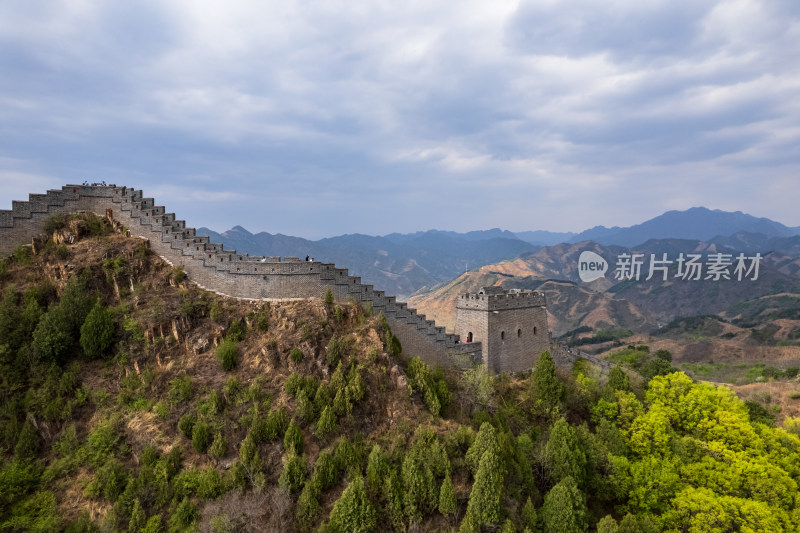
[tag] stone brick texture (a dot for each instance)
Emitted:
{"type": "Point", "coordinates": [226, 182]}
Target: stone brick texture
{"type": "Point", "coordinates": [227, 272]}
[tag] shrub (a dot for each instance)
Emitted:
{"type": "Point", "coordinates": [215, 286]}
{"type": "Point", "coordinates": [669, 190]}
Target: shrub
{"type": "Point", "coordinates": [326, 425]}
{"type": "Point", "coordinates": [178, 274]}
{"type": "Point", "coordinates": [54, 222]}
{"type": "Point", "coordinates": [262, 320]}
{"type": "Point", "coordinates": [186, 424]}
{"type": "Point", "coordinates": [184, 516]}
{"type": "Point", "coordinates": [329, 297]}
{"type": "Point", "coordinates": [277, 422]}
{"type": "Point", "coordinates": [293, 439]}
{"type": "Point", "coordinates": [326, 472]}
{"type": "Point", "coordinates": [62, 252]}
{"type": "Point", "coordinates": [201, 438]}
{"type": "Point", "coordinates": [109, 481]}
{"type": "Point", "coordinates": [305, 408]}
{"type": "Point", "coordinates": [236, 331]}
{"type": "Point", "coordinates": [97, 332]}
{"type": "Point", "coordinates": [219, 447]}
{"type": "Point", "coordinates": [181, 388]}
{"type": "Point", "coordinates": [226, 353]}
{"type": "Point", "coordinates": [296, 355]}
{"type": "Point", "coordinates": [294, 473]}
{"type": "Point", "coordinates": [215, 311]}
{"type": "Point", "coordinates": [22, 255]}
{"type": "Point", "coordinates": [28, 443]}
{"type": "Point", "coordinates": [52, 338]}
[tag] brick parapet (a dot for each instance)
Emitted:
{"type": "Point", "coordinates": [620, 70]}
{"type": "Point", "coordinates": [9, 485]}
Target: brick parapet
{"type": "Point", "coordinates": [226, 272]}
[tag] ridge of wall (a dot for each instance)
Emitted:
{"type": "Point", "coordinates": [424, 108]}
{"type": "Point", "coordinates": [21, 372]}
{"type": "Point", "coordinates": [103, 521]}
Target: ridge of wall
{"type": "Point", "coordinates": [227, 272]}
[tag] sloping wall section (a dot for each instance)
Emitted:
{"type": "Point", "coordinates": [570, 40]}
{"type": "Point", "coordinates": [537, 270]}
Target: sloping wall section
{"type": "Point", "coordinates": [225, 271]}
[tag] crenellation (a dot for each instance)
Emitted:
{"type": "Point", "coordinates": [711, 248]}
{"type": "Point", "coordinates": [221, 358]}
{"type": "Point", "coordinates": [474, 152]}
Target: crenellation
{"type": "Point", "coordinates": [254, 277]}
{"type": "Point", "coordinates": [21, 209]}
{"type": "Point", "coordinates": [38, 203]}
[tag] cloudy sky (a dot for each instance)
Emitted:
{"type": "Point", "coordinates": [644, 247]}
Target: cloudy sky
{"type": "Point", "coordinates": [321, 118]}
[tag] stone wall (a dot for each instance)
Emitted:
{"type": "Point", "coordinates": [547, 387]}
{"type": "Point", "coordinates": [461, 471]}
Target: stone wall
{"type": "Point", "coordinates": [225, 271]}
{"type": "Point", "coordinates": [512, 326]}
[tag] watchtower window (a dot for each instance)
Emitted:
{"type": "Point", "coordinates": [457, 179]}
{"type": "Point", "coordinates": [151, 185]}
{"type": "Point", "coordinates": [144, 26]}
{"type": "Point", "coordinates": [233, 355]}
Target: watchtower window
{"type": "Point", "coordinates": [534, 330]}
{"type": "Point", "coordinates": [469, 337]}
{"type": "Point", "coordinates": [519, 333]}
{"type": "Point", "coordinates": [502, 335]}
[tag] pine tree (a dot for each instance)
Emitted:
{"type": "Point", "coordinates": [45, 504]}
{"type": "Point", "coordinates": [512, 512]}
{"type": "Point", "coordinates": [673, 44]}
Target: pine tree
{"type": "Point", "coordinates": [353, 512]}
{"type": "Point", "coordinates": [376, 469]}
{"type": "Point", "coordinates": [563, 453]}
{"type": "Point", "coordinates": [138, 517]}
{"type": "Point", "coordinates": [447, 497]}
{"type": "Point", "coordinates": [508, 527]}
{"type": "Point", "coordinates": [326, 424]}
{"type": "Point", "coordinates": [607, 524]}
{"type": "Point", "coordinates": [486, 439]}
{"type": "Point", "coordinates": [564, 508]}
{"type": "Point", "coordinates": [485, 499]}
{"type": "Point", "coordinates": [293, 439]}
{"type": "Point", "coordinates": [545, 386]}
{"type": "Point", "coordinates": [97, 332]}
{"type": "Point", "coordinates": [529, 515]}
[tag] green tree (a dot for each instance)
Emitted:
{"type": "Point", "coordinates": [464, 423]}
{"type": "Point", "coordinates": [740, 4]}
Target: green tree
{"type": "Point", "coordinates": [326, 424]}
{"type": "Point", "coordinates": [353, 512]}
{"type": "Point", "coordinates": [226, 353]}
{"type": "Point", "coordinates": [138, 517]}
{"type": "Point", "coordinates": [294, 473]}
{"type": "Point", "coordinates": [377, 467]}
{"type": "Point", "coordinates": [529, 515]}
{"type": "Point", "coordinates": [508, 527]}
{"type": "Point", "coordinates": [545, 386]}
{"type": "Point", "coordinates": [97, 332]}
{"type": "Point", "coordinates": [52, 338]}
{"type": "Point", "coordinates": [563, 453]}
{"type": "Point", "coordinates": [607, 524]}
{"type": "Point", "coordinates": [219, 447]}
{"type": "Point", "coordinates": [293, 439]}
{"type": "Point", "coordinates": [28, 442]}
{"type": "Point", "coordinates": [485, 440]}
{"type": "Point", "coordinates": [618, 380]}
{"type": "Point", "coordinates": [564, 508]}
{"type": "Point", "coordinates": [485, 500]}
{"type": "Point", "coordinates": [201, 437]}
{"type": "Point", "coordinates": [447, 497]}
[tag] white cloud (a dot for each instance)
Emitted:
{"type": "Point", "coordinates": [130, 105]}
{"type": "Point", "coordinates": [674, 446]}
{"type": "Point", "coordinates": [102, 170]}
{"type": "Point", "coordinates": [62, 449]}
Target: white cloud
{"type": "Point", "coordinates": [599, 106]}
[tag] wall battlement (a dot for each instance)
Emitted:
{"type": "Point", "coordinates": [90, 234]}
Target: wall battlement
{"type": "Point", "coordinates": [227, 272]}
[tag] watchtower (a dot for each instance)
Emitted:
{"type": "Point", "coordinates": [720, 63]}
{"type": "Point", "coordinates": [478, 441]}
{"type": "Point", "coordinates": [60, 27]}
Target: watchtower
{"type": "Point", "coordinates": [511, 325]}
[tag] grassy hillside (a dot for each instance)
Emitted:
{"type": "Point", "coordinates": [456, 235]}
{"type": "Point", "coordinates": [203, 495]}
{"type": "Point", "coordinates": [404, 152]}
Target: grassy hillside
{"type": "Point", "coordinates": [134, 401]}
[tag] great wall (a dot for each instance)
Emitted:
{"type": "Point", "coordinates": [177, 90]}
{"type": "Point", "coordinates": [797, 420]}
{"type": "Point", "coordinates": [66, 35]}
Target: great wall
{"type": "Point", "coordinates": [242, 276]}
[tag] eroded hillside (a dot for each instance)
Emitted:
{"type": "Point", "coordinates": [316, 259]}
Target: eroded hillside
{"type": "Point", "coordinates": [134, 401]}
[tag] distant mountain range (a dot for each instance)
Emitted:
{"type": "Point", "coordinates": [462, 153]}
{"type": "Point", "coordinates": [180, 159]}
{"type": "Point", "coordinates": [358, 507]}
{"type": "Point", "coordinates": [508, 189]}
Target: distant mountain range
{"type": "Point", "coordinates": [399, 264]}
{"type": "Point", "coordinates": [638, 305]}
{"type": "Point", "coordinates": [404, 264]}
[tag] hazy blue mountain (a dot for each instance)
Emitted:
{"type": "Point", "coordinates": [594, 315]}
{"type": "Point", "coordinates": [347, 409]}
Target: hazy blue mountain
{"type": "Point", "coordinates": [697, 223]}
{"type": "Point", "coordinates": [398, 264]}
{"type": "Point", "coordinates": [544, 238]}
{"type": "Point", "coordinates": [403, 264]}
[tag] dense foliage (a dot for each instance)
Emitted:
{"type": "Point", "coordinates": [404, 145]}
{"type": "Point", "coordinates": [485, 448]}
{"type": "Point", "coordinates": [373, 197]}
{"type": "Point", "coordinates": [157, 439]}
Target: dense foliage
{"type": "Point", "coordinates": [352, 434]}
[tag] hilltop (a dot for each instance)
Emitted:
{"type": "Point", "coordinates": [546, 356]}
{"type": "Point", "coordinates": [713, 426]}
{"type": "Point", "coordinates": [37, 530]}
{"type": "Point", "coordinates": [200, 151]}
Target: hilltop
{"type": "Point", "coordinates": [136, 401]}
